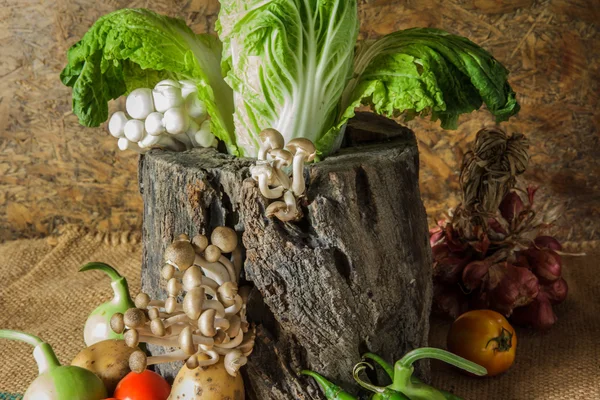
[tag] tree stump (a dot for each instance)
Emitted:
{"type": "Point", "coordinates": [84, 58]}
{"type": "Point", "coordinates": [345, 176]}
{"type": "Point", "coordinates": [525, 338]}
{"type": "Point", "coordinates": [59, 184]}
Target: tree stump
{"type": "Point", "coordinates": [353, 275]}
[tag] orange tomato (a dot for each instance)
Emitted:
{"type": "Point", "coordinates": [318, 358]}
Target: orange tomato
{"type": "Point", "coordinates": [484, 337]}
{"type": "Point", "coordinates": [145, 386]}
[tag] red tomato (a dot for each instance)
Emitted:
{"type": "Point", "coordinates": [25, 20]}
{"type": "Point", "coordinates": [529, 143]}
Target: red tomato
{"type": "Point", "coordinates": [145, 386]}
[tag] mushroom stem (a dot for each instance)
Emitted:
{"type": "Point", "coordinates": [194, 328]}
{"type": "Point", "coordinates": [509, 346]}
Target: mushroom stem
{"type": "Point", "coordinates": [215, 271]}
{"type": "Point", "coordinates": [266, 191]}
{"type": "Point", "coordinates": [230, 268]}
{"type": "Point", "coordinates": [236, 307]}
{"type": "Point", "coordinates": [173, 341]}
{"type": "Point", "coordinates": [178, 319]}
{"type": "Point", "coordinates": [177, 355]}
{"type": "Point", "coordinates": [215, 305]}
{"type": "Point", "coordinates": [234, 361]}
{"type": "Point", "coordinates": [214, 358]}
{"type": "Point", "coordinates": [298, 185]}
{"type": "Point", "coordinates": [233, 343]}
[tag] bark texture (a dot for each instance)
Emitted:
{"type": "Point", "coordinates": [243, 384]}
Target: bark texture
{"type": "Point", "coordinates": [353, 276]}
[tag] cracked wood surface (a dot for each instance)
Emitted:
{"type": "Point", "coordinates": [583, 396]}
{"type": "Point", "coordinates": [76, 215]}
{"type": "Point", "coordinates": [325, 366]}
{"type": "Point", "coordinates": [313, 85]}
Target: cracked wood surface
{"type": "Point", "coordinates": [352, 276]}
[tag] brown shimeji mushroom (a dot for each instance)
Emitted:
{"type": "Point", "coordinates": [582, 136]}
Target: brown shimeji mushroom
{"type": "Point", "coordinates": [286, 210]}
{"type": "Point", "coordinates": [262, 173]}
{"type": "Point", "coordinates": [304, 151]}
{"type": "Point", "coordinates": [271, 140]}
{"type": "Point", "coordinates": [209, 323]}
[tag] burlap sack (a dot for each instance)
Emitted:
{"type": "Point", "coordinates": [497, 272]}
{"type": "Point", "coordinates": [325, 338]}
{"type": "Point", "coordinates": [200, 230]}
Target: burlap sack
{"type": "Point", "coordinates": [43, 294]}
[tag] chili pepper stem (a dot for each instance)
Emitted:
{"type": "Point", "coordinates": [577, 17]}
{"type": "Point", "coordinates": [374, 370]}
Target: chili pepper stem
{"type": "Point", "coordinates": [389, 370]}
{"type": "Point", "coordinates": [42, 352]}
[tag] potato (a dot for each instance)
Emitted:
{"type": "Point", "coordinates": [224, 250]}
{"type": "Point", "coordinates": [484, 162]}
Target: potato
{"type": "Point", "coordinates": [207, 383]}
{"type": "Point", "coordinates": [108, 359]}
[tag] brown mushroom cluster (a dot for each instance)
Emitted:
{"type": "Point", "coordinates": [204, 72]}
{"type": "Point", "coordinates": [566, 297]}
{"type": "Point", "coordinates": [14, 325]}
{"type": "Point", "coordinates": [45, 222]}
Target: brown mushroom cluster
{"type": "Point", "coordinates": [210, 322]}
{"type": "Point", "coordinates": [272, 172]}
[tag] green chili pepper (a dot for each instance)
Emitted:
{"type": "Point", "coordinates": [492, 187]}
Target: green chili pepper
{"type": "Point", "coordinates": [404, 386]}
{"type": "Point", "coordinates": [331, 391]}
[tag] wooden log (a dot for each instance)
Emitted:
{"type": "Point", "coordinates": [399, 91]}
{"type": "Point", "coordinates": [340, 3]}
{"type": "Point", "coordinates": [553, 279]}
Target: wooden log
{"type": "Point", "coordinates": [353, 275]}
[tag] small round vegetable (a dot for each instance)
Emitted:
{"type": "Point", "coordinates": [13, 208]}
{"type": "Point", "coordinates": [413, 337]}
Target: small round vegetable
{"type": "Point", "coordinates": [154, 124]}
{"type": "Point", "coordinates": [176, 120]}
{"type": "Point", "coordinates": [167, 94]}
{"type": "Point", "coordinates": [204, 136]}
{"type": "Point", "coordinates": [108, 359]}
{"type": "Point", "coordinates": [134, 130]}
{"type": "Point", "coordinates": [55, 381]}
{"type": "Point", "coordinates": [484, 337]}
{"type": "Point", "coordinates": [116, 125]}
{"type": "Point", "coordinates": [145, 386]}
{"type": "Point", "coordinates": [139, 103]}
{"type": "Point", "coordinates": [207, 383]}
{"type": "Point", "coordinates": [97, 327]}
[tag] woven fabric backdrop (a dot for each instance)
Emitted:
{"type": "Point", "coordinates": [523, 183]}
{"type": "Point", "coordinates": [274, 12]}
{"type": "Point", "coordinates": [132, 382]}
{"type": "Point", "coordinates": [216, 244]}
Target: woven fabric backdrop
{"type": "Point", "coordinates": [43, 294]}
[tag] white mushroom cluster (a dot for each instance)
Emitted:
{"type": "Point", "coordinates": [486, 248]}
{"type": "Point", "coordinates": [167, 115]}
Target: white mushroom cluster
{"type": "Point", "coordinates": [169, 116]}
{"type": "Point", "coordinates": [210, 322]}
{"type": "Point", "coordinates": [276, 162]}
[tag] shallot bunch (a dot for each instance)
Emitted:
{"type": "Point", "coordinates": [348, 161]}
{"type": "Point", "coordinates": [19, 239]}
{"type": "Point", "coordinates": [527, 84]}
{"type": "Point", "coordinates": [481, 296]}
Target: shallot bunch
{"type": "Point", "coordinates": [491, 252]}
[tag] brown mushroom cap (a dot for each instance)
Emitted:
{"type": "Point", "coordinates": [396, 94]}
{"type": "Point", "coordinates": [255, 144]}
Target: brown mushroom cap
{"type": "Point", "coordinates": [212, 253]}
{"type": "Point", "coordinates": [173, 287]}
{"type": "Point", "coordinates": [142, 300]}
{"type": "Point", "coordinates": [182, 236]}
{"type": "Point", "coordinates": [227, 292]}
{"type": "Point", "coordinates": [158, 327]}
{"type": "Point", "coordinates": [153, 313]}
{"type": "Point", "coordinates": [275, 207]}
{"type": "Point", "coordinates": [206, 323]}
{"type": "Point", "coordinates": [138, 361]}
{"type": "Point", "coordinates": [170, 305]}
{"type": "Point", "coordinates": [186, 341]}
{"type": "Point", "coordinates": [192, 303]}
{"type": "Point", "coordinates": [285, 156]}
{"type": "Point", "coordinates": [303, 144]}
{"type": "Point", "coordinates": [181, 254]}
{"type": "Point", "coordinates": [224, 238]}
{"type": "Point", "coordinates": [220, 337]}
{"type": "Point", "coordinates": [134, 318]}
{"type": "Point", "coordinates": [200, 242]}
{"type": "Point", "coordinates": [167, 271]}
{"type": "Point", "coordinates": [117, 324]}
{"type": "Point", "coordinates": [192, 277]}
{"type": "Point", "coordinates": [233, 361]}
{"type": "Point", "coordinates": [192, 362]}
{"type": "Point", "coordinates": [273, 136]}
{"type": "Point", "coordinates": [132, 338]}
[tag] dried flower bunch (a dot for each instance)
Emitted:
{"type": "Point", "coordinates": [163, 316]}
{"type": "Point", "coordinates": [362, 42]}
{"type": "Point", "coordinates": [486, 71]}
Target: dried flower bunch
{"type": "Point", "coordinates": [273, 174]}
{"type": "Point", "coordinates": [210, 322]}
{"type": "Point", "coordinates": [490, 252]}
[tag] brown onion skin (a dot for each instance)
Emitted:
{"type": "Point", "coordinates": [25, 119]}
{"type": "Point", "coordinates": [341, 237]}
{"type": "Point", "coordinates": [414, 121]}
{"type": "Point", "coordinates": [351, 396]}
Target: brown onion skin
{"type": "Point", "coordinates": [547, 242]}
{"type": "Point", "coordinates": [447, 266]}
{"type": "Point", "coordinates": [511, 206]}
{"type": "Point", "coordinates": [474, 274]}
{"type": "Point", "coordinates": [435, 235]}
{"type": "Point", "coordinates": [556, 291]}
{"type": "Point", "coordinates": [538, 314]}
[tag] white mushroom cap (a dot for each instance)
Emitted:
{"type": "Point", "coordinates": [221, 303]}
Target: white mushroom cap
{"type": "Point", "coordinates": [195, 107]}
{"type": "Point", "coordinates": [116, 124]}
{"type": "Point", "coordinates": [134, 130]}
{"type": "Point", "coordinates": [154, 124]}
{"type": "Point", "coordinates": [176, 120]}
{"type": "Point", "coordinates": [204, 136]}
{"type": "Point", "coordinates": [139, 103]}
{"type": "Point", "coordinates": [125, 144]}
{"type": "Point", "coordinates": [187, 88]}
{"type": "Point", "coordinates": [167, 94]}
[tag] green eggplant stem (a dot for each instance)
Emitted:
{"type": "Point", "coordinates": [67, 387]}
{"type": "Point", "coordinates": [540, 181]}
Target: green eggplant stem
{"type": "Point", "coordinates": [43, 353]}
{"type": "Point", "coordinates": [331, 391]}
{"type": "Point", "coordinates": [107, 269]}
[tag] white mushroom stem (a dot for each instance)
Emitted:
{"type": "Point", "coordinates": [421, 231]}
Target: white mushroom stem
{"type": "Point", "coordinates": [235, 308]}
{"type": "Point", "coordinates": [230, 268]}
{"type": "Point", "coordinates": [298, 185]}
{"type": "Point", "coordinates": [178, 355]}
{"type": "Point", "coordinates": [263, 185]}
{"type": "Point", "coordinates": [126, 144]}
{"type": "Point", "coordinates": [233, 343]}
{"type": "Point", "coordinates": [172, 342]}
{"type": "Point", "coordinates": [215, 305]}
{"type": "Point", "coordinates": [215, 271]}
{"type": "Point", "coordinates": [160, 141]}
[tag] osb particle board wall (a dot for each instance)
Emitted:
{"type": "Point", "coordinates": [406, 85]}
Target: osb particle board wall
{"type": "Point", "coordinates": [52, 171]}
